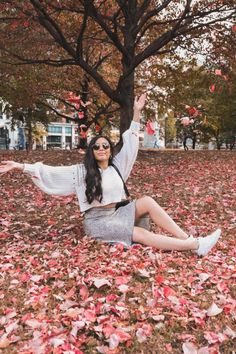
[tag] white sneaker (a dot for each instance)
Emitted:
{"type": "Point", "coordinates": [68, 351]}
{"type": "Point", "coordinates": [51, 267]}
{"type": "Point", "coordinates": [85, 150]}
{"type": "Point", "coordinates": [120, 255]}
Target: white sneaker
{"type": "Point", "coordinates": [207, 243]}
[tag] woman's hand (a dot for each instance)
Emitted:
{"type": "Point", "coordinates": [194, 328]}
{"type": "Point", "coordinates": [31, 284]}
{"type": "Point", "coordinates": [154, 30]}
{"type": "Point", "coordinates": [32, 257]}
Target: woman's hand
{"type": "Point", "coordinates": [6, 166]}
{"type": "Point", "coordinates": [139, 102]}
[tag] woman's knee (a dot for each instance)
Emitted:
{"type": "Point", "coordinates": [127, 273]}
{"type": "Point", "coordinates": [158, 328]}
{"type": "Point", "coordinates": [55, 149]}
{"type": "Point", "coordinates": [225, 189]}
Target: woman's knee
{"type": "Point", "coordinates": [146, 200]}
{"type": "Point", "coordinates": [139, 234]}
{"type": "Point", "coordinates": [143, 206]}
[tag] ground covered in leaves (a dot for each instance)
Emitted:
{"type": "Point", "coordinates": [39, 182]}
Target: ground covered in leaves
{"type": "Point", "coordinates": [62, 292]}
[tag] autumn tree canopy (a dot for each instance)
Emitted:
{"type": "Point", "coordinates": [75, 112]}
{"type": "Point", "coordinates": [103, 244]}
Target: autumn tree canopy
{"type": "Point", "coordinates": [94, 34]}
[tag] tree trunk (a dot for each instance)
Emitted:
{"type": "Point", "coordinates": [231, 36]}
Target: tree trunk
{"type": "Point", "coordinates": [30, 140]}
{"type": "Point", "coordinates": [126, 83]}
{"type": "Point", "coordinates": [84, 121]}
{"type": "Point", "coordinates": [126, 109]}
{"type": "Point", "coordinates": [194, 140]}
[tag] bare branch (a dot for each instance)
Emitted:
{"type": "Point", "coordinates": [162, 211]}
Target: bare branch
{"type": "Point", "coordinates": [55, 110]}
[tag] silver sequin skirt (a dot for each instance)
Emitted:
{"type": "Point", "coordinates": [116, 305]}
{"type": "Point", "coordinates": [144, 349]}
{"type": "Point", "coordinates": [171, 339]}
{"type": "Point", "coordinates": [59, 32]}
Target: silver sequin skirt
{"type": "Point", "coordinates": [110, 225]}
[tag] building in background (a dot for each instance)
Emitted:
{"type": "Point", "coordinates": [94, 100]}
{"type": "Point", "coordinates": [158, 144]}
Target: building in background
{"type": "Point", "coordinates": [61, 135]}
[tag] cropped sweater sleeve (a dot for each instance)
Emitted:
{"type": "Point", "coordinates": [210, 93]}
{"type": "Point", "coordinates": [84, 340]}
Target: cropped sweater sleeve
{"type": "Point", "coordinates": [125, 159]}
{"type": "Point", "coordinates": [59, 180]}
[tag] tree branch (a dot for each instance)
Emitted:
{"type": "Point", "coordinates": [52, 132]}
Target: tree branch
{"type": "Point", "coordinates": [150, 14]}
{"type": "Point", "coordinates": [51, 26]}
{"type": "Point", "coordinates": [79, 49]}
{"type": "Point", "coordinates": [92, 12]}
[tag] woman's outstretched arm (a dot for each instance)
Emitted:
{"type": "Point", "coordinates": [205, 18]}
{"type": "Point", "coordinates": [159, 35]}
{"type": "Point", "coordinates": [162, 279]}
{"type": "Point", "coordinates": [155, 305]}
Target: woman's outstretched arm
{"type": "Point", "coordinates": [7, 166]}
{"type": "Point", "coordinates": [54, 180]}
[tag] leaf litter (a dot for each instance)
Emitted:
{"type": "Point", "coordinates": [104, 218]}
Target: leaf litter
{"type": "Point", "coordinates": [62, 292]}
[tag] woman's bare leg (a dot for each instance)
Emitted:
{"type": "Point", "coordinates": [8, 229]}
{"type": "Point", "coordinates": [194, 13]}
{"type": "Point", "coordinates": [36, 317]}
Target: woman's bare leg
{"type": "Point", "coordinates": [161, 242]}
{"type": "Point", "coordinates": [147, 205]}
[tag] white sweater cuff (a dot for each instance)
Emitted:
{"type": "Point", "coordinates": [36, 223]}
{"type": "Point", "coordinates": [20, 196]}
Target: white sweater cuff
{"type": "Point", "coordinates": [135, 126]}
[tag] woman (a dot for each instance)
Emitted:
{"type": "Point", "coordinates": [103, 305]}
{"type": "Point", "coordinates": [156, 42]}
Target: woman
{"type": "Point", "coordinates": [101, 191]}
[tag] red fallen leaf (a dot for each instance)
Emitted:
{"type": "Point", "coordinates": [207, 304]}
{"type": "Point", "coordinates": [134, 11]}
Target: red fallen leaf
{"type": "Point", "coordinates": [168, 291]}
{"type": "Point", "coordinates": [4, 235]}
{"type": "Point", "coordinates": [213, 337]}
{"type": "Point", "coordinates": [67, 304]}
{"type": "Point", "coordinates": [143, 332]}
{"type": "Point", "coordinates": [70, 293]}
{"type": "Point", "coordinates": [185, 121]}
{"type": "Point", "coordinates": [118, 248]}
{"type": "Point", "coordinates": [51, 222]}
{"type": "Point", "coordinates": [183, 301]}
{"type": "Point", "coordinates": [4, 343]}
{"type": "Point", "coordinates": [84, 292]}
{"type": "Point", "coordinates": [122, 335]}
{"type": "Point", "coordinates": [193, 111]}
{"type": "Point", "coordinates": [218, 72]}
{"type": "Point", "coordinates": [111, 297]}
{"type": "Point", "coordinates": [186, 336]}
{"type": "Point", "coordinates": [156, 292]}
{"type": "Point", "coordinates": [118, 337]}
{"type": "Point", "coordinates": [74, 99]}
{"type": "Point", "coordinates": [234, 28]}
{"type": "Point", "coordinates": [169, 347]}
{"type": "Point", "coordinates": [81, 115]}
{"type": "Point", "coordinates": [222, 287]}
{"type": "Point", "coordinates": [6, 223]}
{"type": "Point", "coordinates": [24, 277]}
{"type": "Point", "coordinates": [73, 312]}
{"type": "Point", "coordinates": [52, 263]}
{"type": "Point", "coordinates": [108, 329]}
{"type": "Point", "coordinates": [212, 88]}
{"type": "Point", "coordinates": [90, 315]}
{"type": "Point", "coordinates": [69, 348]}
{"type": "Point", "coordinates": [122, 280]}
{"type": "Point", "coordinates": [209, 199]}
{"type": "Point", "coordinates": [159, 279]}
{"type": "Point", "coordinates": [227, 309]}
{"type": "Point", "coordinates": [26, 317]}
{"type": "Point", "coordinates": [97, 128]}
{"type": "Point", "coordinates": [14, 24]}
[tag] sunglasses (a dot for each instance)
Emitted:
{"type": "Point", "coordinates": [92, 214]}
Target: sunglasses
{"type": "Point", "coordinates": [105, 146]}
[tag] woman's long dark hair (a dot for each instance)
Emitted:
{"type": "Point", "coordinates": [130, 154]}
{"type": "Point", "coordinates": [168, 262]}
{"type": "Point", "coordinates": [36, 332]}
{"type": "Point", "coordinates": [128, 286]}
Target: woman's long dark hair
{"type": "Point", "coordinates": [93, 177]}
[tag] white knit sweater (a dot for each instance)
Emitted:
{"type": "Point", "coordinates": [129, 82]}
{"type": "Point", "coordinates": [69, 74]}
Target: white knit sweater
{"type": "Point", "coordinates": [66, 180]}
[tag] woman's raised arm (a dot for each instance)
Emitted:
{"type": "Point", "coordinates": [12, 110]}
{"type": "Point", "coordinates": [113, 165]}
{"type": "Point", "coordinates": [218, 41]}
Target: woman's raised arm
{"type": "Point", "coordinates": [125, 159]}
{"type": "Point", "coordinates": [139, 103]}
